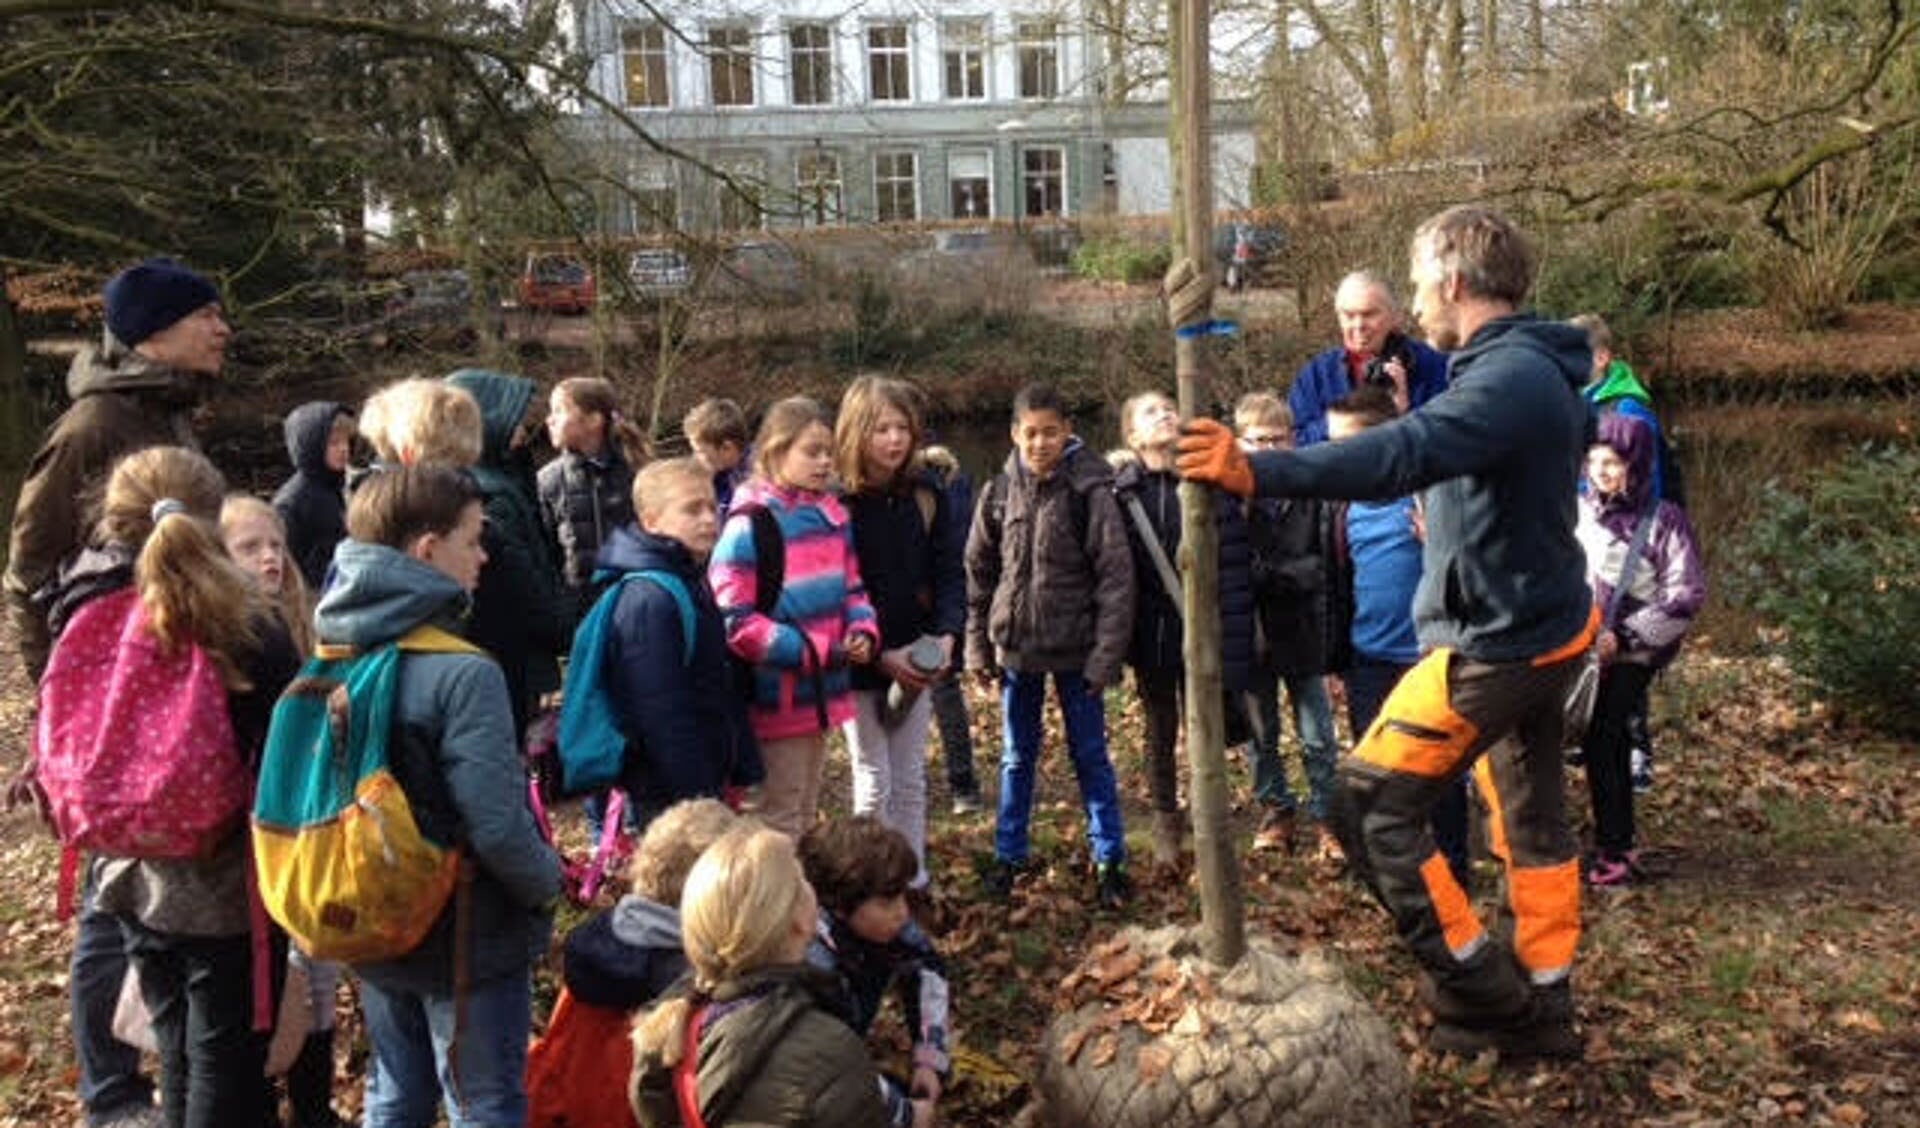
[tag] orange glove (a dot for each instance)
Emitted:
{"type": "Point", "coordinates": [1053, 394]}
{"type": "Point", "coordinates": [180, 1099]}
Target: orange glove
{"type": "Point", "coordinates": [1210, 453]}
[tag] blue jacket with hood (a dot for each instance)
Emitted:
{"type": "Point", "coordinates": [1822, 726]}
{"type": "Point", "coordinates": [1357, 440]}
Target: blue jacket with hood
{"type": "Point", "coordinates": [313, 503]}
{"type": "Point", "coordinates": [1327, 378]}
{"type": "Point", "coordinates": [456, 757]}
{"type": "Point", "coordinates": [1498, 454]}
{"type": "Point", "coordinates": [523, 611]}
{"type": "Point", "coordinates": [686, 724]}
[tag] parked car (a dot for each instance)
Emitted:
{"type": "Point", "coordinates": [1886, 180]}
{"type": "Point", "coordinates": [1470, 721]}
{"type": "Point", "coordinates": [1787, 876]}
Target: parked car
{"type": "Point", "coordinates": [556, 282]}
{"type": "Point", "coordinates": [968, 254]}
{"type": "Point", "coordinates": [1248, 254]}
{"type": "Point", "coordinates": [760, 271]}
{"type": "Point", "coordinates": [659, 272]}
{"type": "Point", "coordinates": [428, 307]}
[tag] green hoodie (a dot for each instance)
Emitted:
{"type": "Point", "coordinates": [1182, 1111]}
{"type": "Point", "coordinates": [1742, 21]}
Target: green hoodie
{"type": "Point", "coordinates": [1617, 382]}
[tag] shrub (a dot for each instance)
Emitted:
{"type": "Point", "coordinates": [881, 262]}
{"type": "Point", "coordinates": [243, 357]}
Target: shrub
{"type": "Point", "coordinates": [1110, 258]}
{"type": "Point", "coordinates": [1837, 568]}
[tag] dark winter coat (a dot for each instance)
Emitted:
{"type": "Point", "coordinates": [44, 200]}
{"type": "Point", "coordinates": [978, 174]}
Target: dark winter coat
{"type": "Point", "coordinates": [626, 957]}
{"type": "Point", "coordinates": [1498, 454]}
{"type": "Point", "coordinates": [582, 501]}
{"type": "Point", "coordinates": [915, 569]}
{"type": "Point", "coordinates": [312, 503]}
{"type": "Point", "coordinates": [1050, 583]}
{"type": "Point", "coordinates": [457, 758]}
{"type": "Point", "coordinates": [1328, 377]}
{"type": "Point", "coordinates": [868, 970]}
{"type": "Point", "coordinates": [686, 724]}
{"type": "Point", "coordinates": [523, 613]}
{"type": "Point", "coordinates": [1158, 631]}
{"type": "Point", "coordinates": [122, 402]}
{"type": "Point", "coordinates": [1669, 582]}
{"type": "Point", "coordinates": [778, 1050]}
{"type": "Point", "coordinates": [1294, 573]}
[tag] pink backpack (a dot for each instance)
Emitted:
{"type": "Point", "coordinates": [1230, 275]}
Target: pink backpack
{"type": "Point", "coordinates": [134, 745]}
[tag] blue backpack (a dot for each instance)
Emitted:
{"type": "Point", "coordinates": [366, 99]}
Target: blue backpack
{"type": "Point", "coordinates": [592, 747]}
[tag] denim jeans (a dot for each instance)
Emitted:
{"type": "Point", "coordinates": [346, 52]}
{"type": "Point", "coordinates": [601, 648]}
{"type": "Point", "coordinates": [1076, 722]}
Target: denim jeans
{"type": "Point", "coordinates": [1312, 723]}
{"type": "Point", "coordinates": [1022, 698]}
{"type": "Point", "coordinates": [411, 1034]}
{"type": "Point", "coordinates": [956, 735]}
{"type": "Point", "coordinates": [199, 991]}
{"type": "Point", "coordinates": [110, 1078]}
{"type": "Point", "coordinates": [1369, 682]}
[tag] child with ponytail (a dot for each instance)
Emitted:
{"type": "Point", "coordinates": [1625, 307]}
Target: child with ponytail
{"type": "Point", "coordinates": [586, 493]}
{"type": "Point", "coordinates": [187, 919]}
{"type": "Point", "coordinates": [802, 632]}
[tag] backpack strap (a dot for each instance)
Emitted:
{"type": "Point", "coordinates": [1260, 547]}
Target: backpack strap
{"type": "Point", "coordinates": [677, 588]}
{"type": "Point", "coordinates": [928, 502]}
{"type": "Point", "coordinates": [769, 558]}
{"type": "Point", "coordinates": [423, 639]}
{"type": "Point", "coordinates": [686, 1075]}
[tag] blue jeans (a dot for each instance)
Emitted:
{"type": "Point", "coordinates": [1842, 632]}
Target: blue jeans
{"type": "Point", "coordinates": [411, 1033]}
{"type": "Point", "coordinates": [110, 1079]}
{"type": "Point", "coordinates": [1368, 683]}
{"type": "Point", "coordinates": [1312, 722]}
{"type": "Point", "coordinates": [1022, 696]}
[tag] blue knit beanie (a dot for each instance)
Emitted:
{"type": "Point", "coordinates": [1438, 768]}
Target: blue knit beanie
{"type": "Point", "coordinates": [142, 300]}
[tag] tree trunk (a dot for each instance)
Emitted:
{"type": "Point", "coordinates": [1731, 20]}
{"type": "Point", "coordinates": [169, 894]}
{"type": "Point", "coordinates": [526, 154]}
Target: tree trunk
{"type": "Point", "coordinates": [1489, 38]}
{"type": "Point", "coordinates": [17, 425]}
{"type": "Point", "coordinates": [1222, 911]}
{"type": "Point", "coordinates": [1453, 50]}
{"type": "Point", "coordinates": [1375, 82]}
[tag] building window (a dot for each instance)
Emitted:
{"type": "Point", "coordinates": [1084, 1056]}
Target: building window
{"type": "Point", "coordinates": [1043, 178]}
{"type": "Point", "coordinates": [1109, 179]}
{"type": "Point", "coordinates": [895, 195]}
{"type": "Point", "coordinates": [970, 185]}
{"type": "Point", "coordinates": [730, 65]}
{"type": "Point", "coordinates": [888, 74]}
{"type": "Point", "coordinates": [964, 47]}
{"type": "Point", "coordinates": [644, 52]}
{"type": "Point", "coordinates": [741, 202]}
{"type": "Point", "coordinates": [810, 59]}
{"type": "Point", "coordinates": [817, 184]}
{"type": "Point", "coordinates": [1039, 54]}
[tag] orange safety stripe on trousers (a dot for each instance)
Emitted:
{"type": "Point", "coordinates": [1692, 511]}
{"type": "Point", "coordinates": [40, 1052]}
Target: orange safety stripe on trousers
{"type": "Point", "coordinates": [1578, 645]}
{"type": "Point", "coordinates": [1496, 812]}
{"type": "Point", "coordinates": [1546, 915]}
{"type": "Point", "coordinates": [1457, 921]}
{"type": "Point", "coordinates": [1417, 731]}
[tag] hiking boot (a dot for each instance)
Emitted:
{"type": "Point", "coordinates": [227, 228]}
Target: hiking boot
{"type": "Point", "coordinates": [1275, 832]}
{"type": "Point", "coordinates": [996, 881]}
{"type": "Point", "coordinates": [1112, 888]}
{"type": "Point", "coordinates": [967, 803]}
{"type": "Point", "coordinates": [1327, 851]}
{"type": "Point", "coordinates": [1169, 834]}
{"type": "Point", "coordinates": [1641, 770]}
{"type": "Point", "coordinates": [1543, 1029]}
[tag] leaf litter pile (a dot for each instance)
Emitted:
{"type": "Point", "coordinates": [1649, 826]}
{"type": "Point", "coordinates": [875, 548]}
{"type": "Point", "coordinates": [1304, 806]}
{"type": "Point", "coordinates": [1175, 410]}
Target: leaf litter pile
{"type": "Point", "coordinates": [1766, 972]}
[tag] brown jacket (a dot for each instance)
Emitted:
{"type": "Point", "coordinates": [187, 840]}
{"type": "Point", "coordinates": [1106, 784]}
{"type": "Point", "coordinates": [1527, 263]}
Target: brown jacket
{"type": "Point", "coordinates": [1049, 573]}
{"type": "Point", "coordinates": [122, 402]}
{"type": "Point", "coordinates": [780, 1054]}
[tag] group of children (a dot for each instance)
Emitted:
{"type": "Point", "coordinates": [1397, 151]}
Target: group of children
{"type": "Point", "coordinates": [826, 572]}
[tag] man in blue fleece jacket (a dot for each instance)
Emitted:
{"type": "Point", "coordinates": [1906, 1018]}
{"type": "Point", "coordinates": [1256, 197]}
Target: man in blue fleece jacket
{"type": "Point", "coordinates": [1503, 614]}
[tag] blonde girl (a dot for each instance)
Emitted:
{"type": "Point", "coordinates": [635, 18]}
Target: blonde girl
{"type": "Point", "coordinates": [585, 493]}
{"type": "Point", "coordinates": [256, 539]}
{"type": "Point", "coordinates": [912, 550]}
{"type": "Point", "coordinates": [801, 640]}
{"type": "Point", "coordinates": [186, 922]}
{"type": "Point", "coordinates": [770, 1048]}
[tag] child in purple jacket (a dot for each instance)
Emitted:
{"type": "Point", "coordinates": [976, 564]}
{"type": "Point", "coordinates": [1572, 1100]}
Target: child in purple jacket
{"type": "Point", "coordinates": [1665, 585]}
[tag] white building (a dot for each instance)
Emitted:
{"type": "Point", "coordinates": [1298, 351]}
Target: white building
{"type": "Point", "coordinates": [807, 112]}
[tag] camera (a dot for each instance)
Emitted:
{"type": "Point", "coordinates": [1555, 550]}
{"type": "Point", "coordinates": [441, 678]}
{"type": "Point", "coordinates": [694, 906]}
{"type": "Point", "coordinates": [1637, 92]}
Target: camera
{"type": "Point", "coordinates": [1394, 348]}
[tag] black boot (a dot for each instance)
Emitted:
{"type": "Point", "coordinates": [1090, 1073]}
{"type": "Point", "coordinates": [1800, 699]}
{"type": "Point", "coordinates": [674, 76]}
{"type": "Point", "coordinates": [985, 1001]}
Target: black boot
{"type": "Point", "coordinates": [310, 1083]}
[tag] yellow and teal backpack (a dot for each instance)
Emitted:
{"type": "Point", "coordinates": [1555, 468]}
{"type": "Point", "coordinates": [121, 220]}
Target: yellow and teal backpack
{"type": "Point", "coordinates": [342, 864]}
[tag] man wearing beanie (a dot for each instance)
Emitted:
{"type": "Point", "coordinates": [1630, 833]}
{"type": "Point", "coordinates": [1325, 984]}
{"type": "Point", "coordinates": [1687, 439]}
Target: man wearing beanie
{"type": "Point", "coordinates": [133, 390]}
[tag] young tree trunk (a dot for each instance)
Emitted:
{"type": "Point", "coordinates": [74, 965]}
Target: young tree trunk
{"type": "Point", "coordinates": [1222, 911]}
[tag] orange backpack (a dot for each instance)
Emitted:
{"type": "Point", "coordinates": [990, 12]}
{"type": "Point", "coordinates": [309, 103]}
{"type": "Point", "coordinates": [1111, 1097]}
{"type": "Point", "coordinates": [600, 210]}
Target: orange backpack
{"type": "Point", "coordinates": [577, 1071]}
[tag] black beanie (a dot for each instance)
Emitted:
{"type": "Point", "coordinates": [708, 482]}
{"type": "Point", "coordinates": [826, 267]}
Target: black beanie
{"type": "Point", "coordinates": [142, 300]}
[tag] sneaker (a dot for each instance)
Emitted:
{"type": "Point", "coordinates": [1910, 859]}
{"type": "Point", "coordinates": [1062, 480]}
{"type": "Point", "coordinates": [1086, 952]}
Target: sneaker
{"type": "Point", "coordinates": [1275, 832]}
{"type": "Point", "coordinates": [1113, 889]}
{"type": "Point", "coordinates": [1612, 871]}
{"type": "Point", "coordinates": [996, 881]}
{"type": "Point", "coordinates": [1641, 760]}
{"type": "Point", "coordinates": [1327, 851]}
{"type": "Point", "coordinates": [966, 803]}
{"type": "Point", "coordinates": [1576, 756]}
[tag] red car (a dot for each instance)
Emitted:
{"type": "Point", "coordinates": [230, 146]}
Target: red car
{"type": "Point", "coordinates": [556, 282]}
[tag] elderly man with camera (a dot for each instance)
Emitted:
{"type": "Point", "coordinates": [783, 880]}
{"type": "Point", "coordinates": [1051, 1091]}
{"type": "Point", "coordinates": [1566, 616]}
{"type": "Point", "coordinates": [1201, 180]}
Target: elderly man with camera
{"type": "Point", "coordinates": [1372, 349]}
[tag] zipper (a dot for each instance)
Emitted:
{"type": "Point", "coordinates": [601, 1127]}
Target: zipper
{"type": "Point", "coordinates": [1417, 731]}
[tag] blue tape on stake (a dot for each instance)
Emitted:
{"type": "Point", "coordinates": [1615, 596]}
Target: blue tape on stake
{"type": "Point", "coordinates": [1214, 328]}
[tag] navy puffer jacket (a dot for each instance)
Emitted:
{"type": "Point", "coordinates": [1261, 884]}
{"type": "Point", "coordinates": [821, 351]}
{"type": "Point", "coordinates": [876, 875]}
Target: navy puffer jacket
{"type": "Point", "coordinates": [1157, 635]}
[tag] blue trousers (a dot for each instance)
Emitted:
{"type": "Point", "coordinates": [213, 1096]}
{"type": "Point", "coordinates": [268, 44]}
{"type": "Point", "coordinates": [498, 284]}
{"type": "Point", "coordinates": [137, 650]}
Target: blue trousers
{"type": "Point", "coordinates": [1022, 697]}
{"type": "Point", "coordinates": [110, 1078]}
{"type": "Point", "coordinates": [1312, 723]}
{"type": "Point", "coordinates": [411, 1069]}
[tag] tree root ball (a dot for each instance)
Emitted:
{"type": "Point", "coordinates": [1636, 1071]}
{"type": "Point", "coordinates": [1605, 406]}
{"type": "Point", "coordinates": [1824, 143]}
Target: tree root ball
{"type": "Point", "coordinates": [1153, 1036]}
